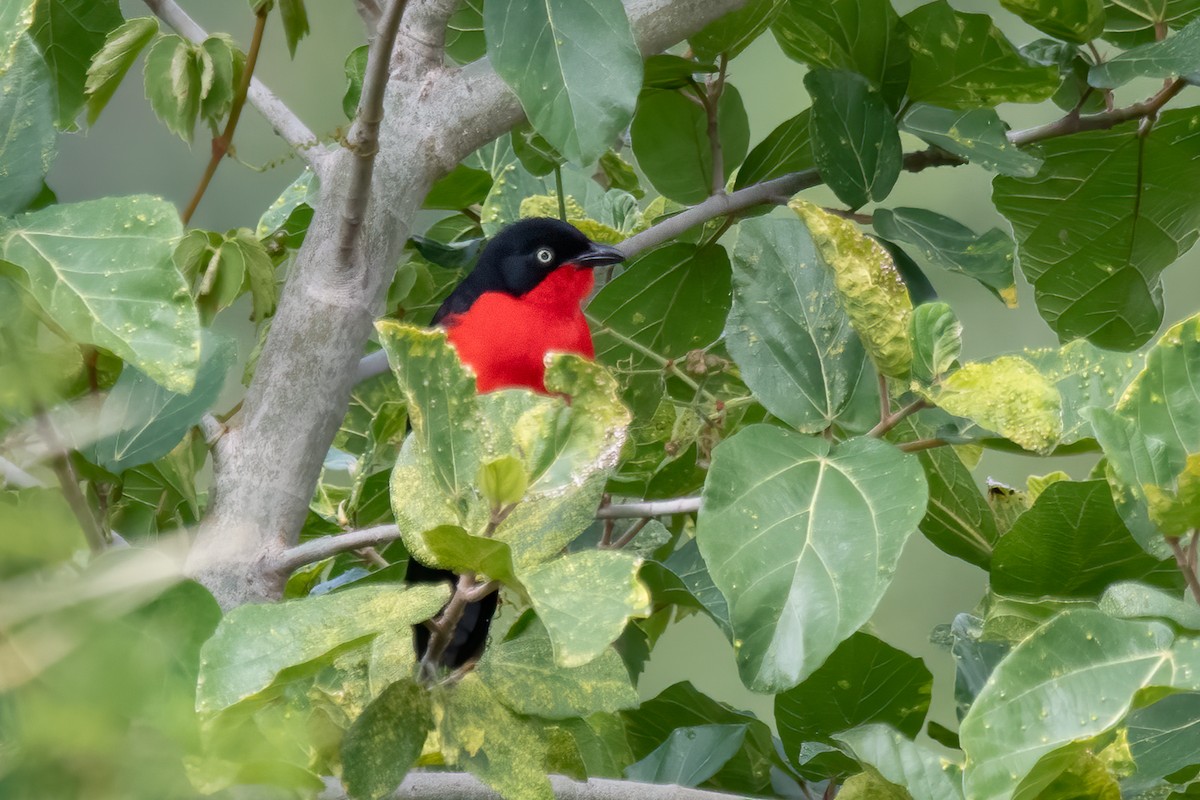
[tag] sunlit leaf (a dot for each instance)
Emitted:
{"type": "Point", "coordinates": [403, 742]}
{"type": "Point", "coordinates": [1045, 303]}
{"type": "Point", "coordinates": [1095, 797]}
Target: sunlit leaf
{"type": "Point", "coordinates": [1008, 396]}
{"type": "Point", "coordinates": [379, 749]}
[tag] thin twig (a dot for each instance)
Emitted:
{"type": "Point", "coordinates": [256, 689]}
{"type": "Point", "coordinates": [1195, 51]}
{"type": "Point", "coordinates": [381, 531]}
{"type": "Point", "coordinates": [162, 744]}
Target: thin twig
{"type": "Point", "coordinates": [885, 399]}
{"type": "Point", "coordinates": [1181, 561]}
{"type": "Point", "coordinates": [370, 12]}
{"type": "Point", "coordinates": [364, 136]}
{"type": "Point", "coordinates": [890, 420]}
{"type": "Point", "coordinates": [68, 479]}
{"type": "Point", "coordinates": [853, 216]}
{"type": "Point", "coordinates": [282, 119]}
{"type": "Point", "coordinates": [650, 508]}
{"type": "Point", "coordinates": [446, 622]}
{"type": "Point", "coordinates": [1074, 123]}
{"type": "Point", "coordinates": [630, 534]}
{"type": "Point", "coordinates": [606, 537]}
{"type": "Point", "coordinates": [371, 556]}
{"type": "Point", "coordinates": [315, 550]}
{"type": "Point", "coordinates": [222, 143]}
{"type": "Point", "coordinates": [1192, 550]}
{"type": "Point", "coordinates": [712, 96]}
{"type": "Point", "coordinates": [922, 444]}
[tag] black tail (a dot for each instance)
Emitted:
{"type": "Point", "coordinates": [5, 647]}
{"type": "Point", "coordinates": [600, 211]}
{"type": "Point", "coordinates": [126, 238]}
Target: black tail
{"type": "Point", "coordinates": [471, 633]}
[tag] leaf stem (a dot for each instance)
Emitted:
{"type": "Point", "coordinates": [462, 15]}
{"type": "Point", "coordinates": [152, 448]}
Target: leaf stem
{"type": "Point", "coordinates": [714, 87]}
{"type": "Point", "coordinates": [222, 143]}
{"type": "Point", "coordinates": [890, 420]}
{"type": "Point", "coordinates": [1182, 561]}
{"type": "Point", "coordinates": [630, 534]}
{"type": "Point", "coordinates": [558, 187]}
{"type": "Point", "coordinates": [447, 621]}
{"type": "Point", "coordinates": [68, 479]}
{"type": "Point", "coordinates": [922, 444]}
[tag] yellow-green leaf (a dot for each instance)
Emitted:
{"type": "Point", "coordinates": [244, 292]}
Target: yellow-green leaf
{"type": "Point", "coordinates": [1008, 396]}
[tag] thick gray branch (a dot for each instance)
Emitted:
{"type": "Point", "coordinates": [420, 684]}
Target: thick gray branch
{"type": "Point", "coordinates": [650, 508]}
{"type": "Point", "coordinates": [434, 118]}
{"type": "Point", "coordinates": [326, 546]}
{"type": "Point", "coordinates": [281, 118]}
{"type": "Point", "coordinates": [462, 786]}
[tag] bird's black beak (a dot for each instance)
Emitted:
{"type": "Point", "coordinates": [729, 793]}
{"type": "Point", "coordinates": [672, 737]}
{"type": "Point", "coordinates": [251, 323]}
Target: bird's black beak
{"type": "Point", "coordinates": [598, 255]}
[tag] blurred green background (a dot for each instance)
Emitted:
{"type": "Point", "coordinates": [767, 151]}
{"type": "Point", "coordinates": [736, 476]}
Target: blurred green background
{"type": "Point", "coordinates": [129, 152]}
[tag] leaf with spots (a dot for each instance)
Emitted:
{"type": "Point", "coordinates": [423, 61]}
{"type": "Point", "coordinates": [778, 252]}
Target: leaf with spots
{"type": "Point", "coordinates": [786, 331]}
{"type": "Point", "coordinates": [28, 141]}
{"type": "Point", "coordinates": [102, 271]}
{"type": "Point", "coordinates": [386, 740]}
{"type": "Point", "coordinates": [1074, 678]}
{"type": "Point", "coordinates": [823, 517]}
{"type": "Point", "coordinates": [978, 135]}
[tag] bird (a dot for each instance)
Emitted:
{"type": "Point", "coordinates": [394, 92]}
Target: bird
{"type": "Point", "coordinates": [522, 300]}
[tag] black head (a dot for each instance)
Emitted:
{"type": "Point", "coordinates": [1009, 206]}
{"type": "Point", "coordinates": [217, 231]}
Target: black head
{"type": "Point", "coordinates": [517, 259]}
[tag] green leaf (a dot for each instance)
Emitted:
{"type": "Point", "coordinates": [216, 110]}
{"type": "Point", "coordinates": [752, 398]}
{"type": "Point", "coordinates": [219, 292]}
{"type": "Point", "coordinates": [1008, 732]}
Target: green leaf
{"type": "Point", "coordinates": [863, 36]}
{"type": "Point", "coordinates": [1172, 57]}
{"type": "Point", "coordinates": [620, 174]}
{"type": "Point", "coordinates": [680, 706]}
{"type": "Point", "coordinates": [902, 762]}
{"type": "Point", "coordinates": [958, 520]}
{"type": "Point", "coordinates": [978, 135]}
{"type": "Point", "coordinates": [864, 680]}
{"type": "Point", "coordinates": [453, 548]}
{"type": "Point", "coordinates": [573, 64]}
{"type": "Point", "coordinates": [41, 531]}
{"type": "Point", "coordinates": [824, 517]}
{"type": "Point", "coordinates": [1109, 211]}
{"type": "Point", "coordinates": [502, 749]}
{"type": "Point", "coordinates": [1008, 396]}
{"type": "Point", "coordinates": [1135, 22]}
{"type": "Point", "coordinates": [462, 187]}
{"type": "Point", "coordinates": [15, 19]}
{"type": "Point", "coordinates": [870, 785]}
{"type": "Point", "coordinates": [1162, 737]}
{"type": "Point", "coordinates": [376, 751]}
{"type": "Point", "coordinates": [855, 143]}
{"type": "Point", "coordinates": [533, 151]}
{"type": "Point", "coordinates": [732, 33]}
{"type": "Point", "coordinates": [672, 146]}
{"type": "Point", "coordinates": [1084, 376]}
{"type": "Point", "coordinates": [1176, 509]}
{"type": "Point", "coordinates": [964, 61]}
{"type": "Point", "coordinates": [299, 193]}
{"type": "Point", "coordinates": [503, 480]}
{"type": "Point", "coordinates": [686, 582]}
{"type": "Point", "coordinates": [173, 88]}
{"type": "Point", "coordinates": [295, 25]}
{"type": "Point", "coordinates": [869, 284]}
{"type": "Point", "coordinates": [1072, 543]}
{"type": "Point", "coordinates": [1077, 21]}
{"type": "Point", "coordinates": [787, 331]}
{"type": "Point", "coordinates": [1130, 600]}
{"type": "Point", "coordinates": [689, 756]}
{"type": "Point", "coordinates": [954, 247]}
{"type": "Point", "coordinates": [464, 33]}
{"type": "Point", "coordinates": [786, 149]}
{"type": "Point", "coordinates": [584, 599]}
{"type": "Point", "coordinates": [70, 33]}
{"type": "Point", "coordinates": [1072, 679]}
{"type": "Point", "coordinates": [114, 59]}
{"type": "Point", "coordinates": [142, 421]}
{"type": "Point", "coordinates": [227, 64]}
{"type": "Point", "coordinates": [356, 69]}
{"type": "Point", "coordinates": [255, 643]}
{"type": "Point", "coordinates": [936, 336]}
{"type": "Point", "coordinates": [665, 71]}
{"type": "Point", "coordinates": [687, 287]}
{"type": "Point", "coordinates": [523, 675]}
{"type": "Point", "coordinates": [102, 270]}
{"type": "Point", "coordinates": [27, 144]}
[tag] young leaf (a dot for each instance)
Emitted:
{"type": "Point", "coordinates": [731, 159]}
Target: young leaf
{"type": "Point", "coordinates": [665, 71]}
{"type": "Point", "coordinates": [109, 66]}
{"type": "Point", "coordinates": [1128, 210]}
{"type": "Point", "coordinates": [1072, 543]}
{"type": "Point", "coordinates": [503, 480]}
{"type": "Point", "coordinates": [584, 599]}
{"type": "Point", "coordinates": [227, 65]}
{"type": "Point", "coordinates": [1077, 21]}
{"type": "Point", "coordinates": [356, 68]}
{"type": "Point", "coordinates": [936, 336]}
{"type": "Point", "coordinates": [376, 751]}
{"type": "Point", "coordinates": [173, 84]}
{"type": "Point", "coordinates": [863, 36]}
{"type": "Point", "coordinates": [978, 135]}
{"type": "Point", "coordinates": [574, 66]}
{"type": "Point", "coordinates": [69, 33]}
{"type": "Point", "coordinates": [864, 680]}
{"type": "Point", "coordinates": [27, 145]}
{"type": "Point", "coordinates": [954, 247]}
{"type": "Point", "coordinates": [141, 421]}
{"type": "Point", "coordinates": [295, 22]}
{"type": "Point", "coordinates": [464, 33]}
{"type": "Point", "coordinates": [902, 762]}
{"type": "Point", "coordinates": [523, 675]}
{"type": "Point", "coordinates": [855, 142]}
{"type": "Point", "coordinates": [812, 518]}
{"type": "Point", "coordinates": [1008, 396]}
{"type": "Point", "coordinates": [671, 143]}
{"type": "Point", "coordinates": [964, 61]}
{"type": "Point", "coordinates": [102, 271]}
{"type": "Point", "coordinates": [254, 643]}
{"type": "Point", "coordinates": [869, 285]}
{"type": "Point", "coordinates": [689, 756]}
{"type": "Point", "coordinates": [786, 149]}
{"type": "Point", "coordinates": [786, 330]}
{"type": "Point", "coordinates": [455, 549]}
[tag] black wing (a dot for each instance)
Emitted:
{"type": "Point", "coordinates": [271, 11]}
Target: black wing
{"type": "Point", "coordinates": [461, 299]}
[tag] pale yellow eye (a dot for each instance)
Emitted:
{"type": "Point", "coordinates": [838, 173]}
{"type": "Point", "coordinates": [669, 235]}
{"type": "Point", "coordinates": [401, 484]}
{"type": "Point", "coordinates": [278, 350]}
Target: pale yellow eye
{"type": "Point", "coordinates": [544, 255]}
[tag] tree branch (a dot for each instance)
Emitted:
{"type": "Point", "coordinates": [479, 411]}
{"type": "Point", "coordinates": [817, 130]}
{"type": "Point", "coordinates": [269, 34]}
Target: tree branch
{"type": "Point", "coordinates": [364, 136]}
{"type": "Point", "coordinates": [370, 13]}
{"type": "Point", "coordinates": [315, 550]}
{"type": "Point", "coordinates": [68, 479]}
{"type": "Point", "coordinates": [222, 143]}
{"type": "Point", "coordinates": [281, 118]}
{"type": "Point", "coordinates": [445, 625]}
{"type": "Point", "coordinates": [891, 419]}
{"type": "Point", "coordinates": [1181, 561]}
{"type": "Point", "coordinates": [651, 508]}
{"type": "Point", "coordinates": [1075, 123]}
{"type": "Point", "coordinates": [463, 786]}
